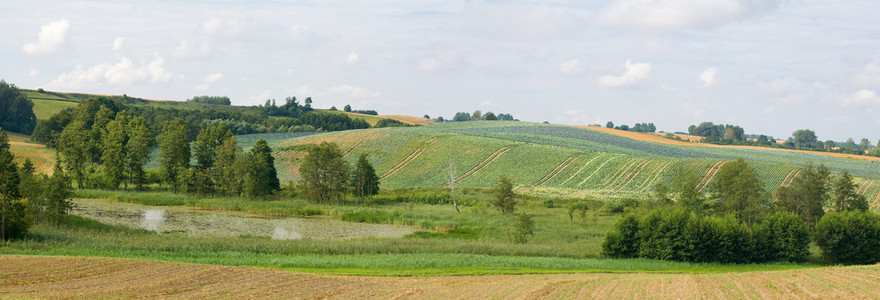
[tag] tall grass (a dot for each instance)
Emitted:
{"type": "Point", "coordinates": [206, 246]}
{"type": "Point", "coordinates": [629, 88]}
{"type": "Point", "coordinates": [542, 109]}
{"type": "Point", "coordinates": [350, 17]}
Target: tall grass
{"type": "Point", "coordinates": [82, 237]}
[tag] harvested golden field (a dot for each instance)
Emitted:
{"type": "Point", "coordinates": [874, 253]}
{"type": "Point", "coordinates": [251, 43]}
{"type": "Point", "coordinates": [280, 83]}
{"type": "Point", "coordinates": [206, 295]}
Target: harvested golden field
{"type": "Point", "coordinates": [91, 277]}
{"type": "Point", "coordinates": [648, 137]}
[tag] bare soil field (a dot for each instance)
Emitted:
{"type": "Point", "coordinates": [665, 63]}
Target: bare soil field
{"type": "Point", "coordinates": [91, 277]}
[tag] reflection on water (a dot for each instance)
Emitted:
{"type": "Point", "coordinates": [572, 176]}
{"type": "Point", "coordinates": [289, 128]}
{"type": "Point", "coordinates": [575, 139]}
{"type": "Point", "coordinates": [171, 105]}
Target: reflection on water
{"type": "Point", "coordinates": [152, 219]}
{"type": "Point", "coordinates": [201, 223]}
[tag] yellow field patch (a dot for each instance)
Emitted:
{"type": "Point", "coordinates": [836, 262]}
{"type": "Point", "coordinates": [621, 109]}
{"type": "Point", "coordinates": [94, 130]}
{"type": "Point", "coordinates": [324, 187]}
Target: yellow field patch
{"type": "Point", "coordinates": [43, 158]}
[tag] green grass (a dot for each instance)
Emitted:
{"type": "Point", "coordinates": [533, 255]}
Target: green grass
{"type": "Point", "coordinates": [44, 109]}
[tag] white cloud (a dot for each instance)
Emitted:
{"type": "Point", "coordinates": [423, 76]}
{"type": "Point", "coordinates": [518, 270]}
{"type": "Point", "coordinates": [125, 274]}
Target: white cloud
{"type": "Point", "coordinates": [118, 43]}
{"type": "Point", "coordinates": [870, 74]}
{"type": "Point", "coordinates": [212, 25]}
{"type": "Point", "coordinates": [487, 104]}
{"type": "Point", "coordinates": [349, 91]}
{"type": "Point", "coordinates": [202, 87]}
{"type": "Point", "coordinates": [570, 112]}
{"type": "Point", "coordinates": [674, 14]}
{"type": "Point", "coordinates": [708, 76]}
{"type": "Point", "coordinates": [34, 72]}
{"type": "Point", "coordinates": [769, 110]}
{"type": "Point", "coordinates": [783, 85]}
{"type": "Point", "coordinates": [634, 73]}
{"type": "Point", "coordinates": [305, 91]}
{"type": "Point", "coordinates": [261, 98]}
{"type": "Point", "coordinates": [861, 98]}
{"type": "Point", "coordinates": [696, 110]}
{"type": "Point", "coordinates": [570, 67]}
{"type": "Point", "coordinates": [667, 88]}
{"type": "Point", "coordinates": [440, 63]}
{"type": "Point", "coordinates": [51, 37]}
{"type": "Point", "coordinates": [213, 77]}
{"type": "Point", "coordinates": [352, 58]}
{"type": "Point", "coordinates": [187, 49]}
{"type": "Point", "coordinates": [122, 73]}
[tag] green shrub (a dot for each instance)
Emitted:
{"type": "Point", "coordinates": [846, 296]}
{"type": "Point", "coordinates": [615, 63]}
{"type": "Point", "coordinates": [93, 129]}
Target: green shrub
{"type": "Point", "coordinates": [525, 228]}
{"type": "Point", "coordinates": [788, 237]}
{"type": "Point", "coordinates": [703, 235]}
{"type": "Point", "coordinates": [662, 235]}
{"type": "Point", "coordinates": [849, 237]}
{"type": "Point", "coordinates": [623, 240]}
{"type": "Point", "coordinates": [734, 243]}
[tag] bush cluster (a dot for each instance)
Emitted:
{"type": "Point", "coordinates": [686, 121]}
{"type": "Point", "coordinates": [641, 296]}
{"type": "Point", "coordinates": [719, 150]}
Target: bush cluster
{"type": "Point", "coordinates": [677, 234]}
{"type": "Point", "coordinates": [849, 237]}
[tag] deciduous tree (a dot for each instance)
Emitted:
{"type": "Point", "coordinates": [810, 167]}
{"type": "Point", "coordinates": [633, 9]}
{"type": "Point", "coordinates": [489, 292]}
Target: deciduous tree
{"type": "Point", "coordinates": [844, 196]}
{"type": "Point", "coordinates": [505, 198]}
{"type": "Point", "coordinates": [174, 152]}
{"type": "Point", "coordinates": [324, 173]}
{"type": "Point", "coordinates": [737, 190]}
{"type": "Point", "coordinates": [364, 179]}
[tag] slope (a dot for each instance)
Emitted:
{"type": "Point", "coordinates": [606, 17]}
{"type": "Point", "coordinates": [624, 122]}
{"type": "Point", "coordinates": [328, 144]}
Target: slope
{"type": "Point", "coordinates": [553, 160]}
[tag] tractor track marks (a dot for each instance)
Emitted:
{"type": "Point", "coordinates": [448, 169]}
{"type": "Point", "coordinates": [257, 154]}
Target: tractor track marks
{"type": "Point", "coordinates": [558, 169]}
{"type": "Point", "coordinates": [632, 175]}
{"type": "Point", "coordinates": [709, 175]}
{"type": "Point", "coordinates": [488, 160]}
{"type": "Point", "coordinates": [412, 156]}
{"type": "Point", "coordinates": [597, 170]}
{"type": "Point", "coordinates": [787, 176]}
{"type": "Point", "coordinates": [660, 169]}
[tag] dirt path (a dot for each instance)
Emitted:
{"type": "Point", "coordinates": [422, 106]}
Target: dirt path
{"type": "Point", "coordinates": [81, 277]}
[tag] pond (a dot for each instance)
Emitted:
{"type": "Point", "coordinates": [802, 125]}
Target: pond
{"type": "Point", "coordinates": [168, 219]}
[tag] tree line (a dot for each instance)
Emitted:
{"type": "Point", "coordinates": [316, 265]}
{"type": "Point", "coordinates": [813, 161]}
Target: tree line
{"type": "Point", "coordinates": [639, 127]}
{"type": "Point", "coordinates": [237, 119]}
{"type": "Point", "coordinates": [739, 222]}
{"type": "Point", "coordinates": [477, 115]}
{"type": "Point", "coordinates": [216, 100]}
{"type": "Point", "coordinates": [804, 139]}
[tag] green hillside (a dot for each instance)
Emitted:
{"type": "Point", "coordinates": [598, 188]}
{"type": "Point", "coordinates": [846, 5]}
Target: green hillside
{"type": "Point", "coordinates": [551, 160]}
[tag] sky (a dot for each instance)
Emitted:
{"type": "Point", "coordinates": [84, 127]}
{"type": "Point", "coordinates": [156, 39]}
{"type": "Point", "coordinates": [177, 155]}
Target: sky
{"type": "Point", "coordinates": [769, 66]}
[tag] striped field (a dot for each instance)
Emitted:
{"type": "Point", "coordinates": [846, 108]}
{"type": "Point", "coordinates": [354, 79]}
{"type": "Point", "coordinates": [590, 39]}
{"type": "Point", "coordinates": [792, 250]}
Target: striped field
{"type": "Point", "coordinates": [89, 277]}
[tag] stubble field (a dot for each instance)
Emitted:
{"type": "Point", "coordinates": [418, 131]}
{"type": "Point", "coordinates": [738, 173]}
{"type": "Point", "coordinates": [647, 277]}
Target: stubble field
{"type": "Point", "coordinates": [90, 277]}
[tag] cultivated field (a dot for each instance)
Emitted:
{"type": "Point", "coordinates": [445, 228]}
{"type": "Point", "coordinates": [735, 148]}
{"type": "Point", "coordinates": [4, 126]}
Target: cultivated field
{"type": "Point", "coordinates": [89, 277]}
{"type": "Point", "coordinates": [555, 161]}
{"type": "Point", "coordinates": [691, 142]}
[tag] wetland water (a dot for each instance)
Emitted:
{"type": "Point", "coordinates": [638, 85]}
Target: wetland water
{"type": "Point", "coordinates": [168, 219]}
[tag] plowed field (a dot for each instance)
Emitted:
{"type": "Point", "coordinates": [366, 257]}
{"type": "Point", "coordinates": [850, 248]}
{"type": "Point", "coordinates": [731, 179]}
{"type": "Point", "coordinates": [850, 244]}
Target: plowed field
{"type": "Point", "coordinates": [79, 277]}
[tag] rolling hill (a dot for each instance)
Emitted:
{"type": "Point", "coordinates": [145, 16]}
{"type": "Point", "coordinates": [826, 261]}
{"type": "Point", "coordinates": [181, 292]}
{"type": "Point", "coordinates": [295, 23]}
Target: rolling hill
{"type": "Point", "coordinates": [554, 160]}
